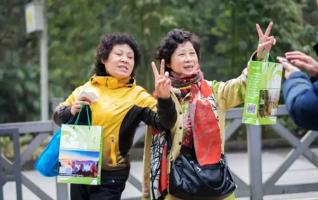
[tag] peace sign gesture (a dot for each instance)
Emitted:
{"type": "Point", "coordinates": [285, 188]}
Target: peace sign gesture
{"type": "Point", "coordinates": [265, 41]}
{"type": "Point", "coordinates": [162, 80]}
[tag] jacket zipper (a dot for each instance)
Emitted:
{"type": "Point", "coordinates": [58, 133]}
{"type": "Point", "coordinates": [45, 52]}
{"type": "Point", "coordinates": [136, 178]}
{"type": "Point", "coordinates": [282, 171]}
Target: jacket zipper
{"type": "Point", "coordinates": [113, 150]}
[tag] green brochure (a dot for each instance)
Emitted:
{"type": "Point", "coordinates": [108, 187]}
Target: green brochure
{"type": "Point", "coordinates": [80, 154]}
{"type": "Point", "coordinates": [262, 92]}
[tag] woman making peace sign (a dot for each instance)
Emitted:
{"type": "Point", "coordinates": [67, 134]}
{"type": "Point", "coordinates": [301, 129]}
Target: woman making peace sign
{"type": "Point", "coordinates": [120, 107]}
{"type": "Point", "coordinates": [198, 134]}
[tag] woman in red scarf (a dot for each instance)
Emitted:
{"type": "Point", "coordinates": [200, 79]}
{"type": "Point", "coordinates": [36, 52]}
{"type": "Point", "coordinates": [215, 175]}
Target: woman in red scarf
{"type": "Point", "coordinates": [201, 107]}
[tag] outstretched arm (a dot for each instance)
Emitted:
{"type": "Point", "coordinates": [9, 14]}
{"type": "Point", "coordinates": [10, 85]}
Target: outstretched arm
{"type": "Point", "coordinates": [301, 97]}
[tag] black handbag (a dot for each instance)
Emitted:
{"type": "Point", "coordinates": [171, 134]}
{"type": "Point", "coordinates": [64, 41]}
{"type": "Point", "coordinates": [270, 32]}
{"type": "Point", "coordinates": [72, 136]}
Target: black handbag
{"type": "Point", "coordinates": [188, 180]}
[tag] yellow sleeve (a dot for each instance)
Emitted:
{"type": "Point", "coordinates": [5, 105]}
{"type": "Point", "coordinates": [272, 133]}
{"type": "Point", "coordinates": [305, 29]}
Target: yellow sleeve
{"type": "Point", "coordinates": [230, 93]}
{"type": "Point", "coordinates": [144, 99]}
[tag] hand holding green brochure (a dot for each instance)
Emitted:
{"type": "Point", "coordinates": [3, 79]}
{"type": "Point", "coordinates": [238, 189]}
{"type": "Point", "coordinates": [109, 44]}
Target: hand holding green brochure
{"type": "Point", "coordinates": [263, 86]}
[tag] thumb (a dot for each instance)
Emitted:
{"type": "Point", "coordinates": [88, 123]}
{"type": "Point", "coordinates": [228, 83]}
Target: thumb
{"type": "Point", "coordinates": [287, 66]}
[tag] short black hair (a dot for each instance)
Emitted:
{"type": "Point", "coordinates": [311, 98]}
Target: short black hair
{"type": "Point", "coordinates": [105, 46]}
{"type": "Point", "coordinates": [173, 38]}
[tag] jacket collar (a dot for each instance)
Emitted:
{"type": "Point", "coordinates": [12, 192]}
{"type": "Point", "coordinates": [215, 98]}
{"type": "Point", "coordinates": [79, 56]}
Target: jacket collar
{"type": "Point", "coordinates": [111, 82]}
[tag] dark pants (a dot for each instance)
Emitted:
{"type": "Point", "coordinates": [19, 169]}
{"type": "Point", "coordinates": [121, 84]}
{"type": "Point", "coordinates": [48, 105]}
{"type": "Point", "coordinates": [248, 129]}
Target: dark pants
{"type": "Point", "coordinates": [112, 185]}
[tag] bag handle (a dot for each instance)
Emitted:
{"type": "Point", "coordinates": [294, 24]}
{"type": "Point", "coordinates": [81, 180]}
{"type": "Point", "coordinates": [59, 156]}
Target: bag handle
{"type": "Point", "coordinates": [269, 58]}
{"type": "Point", "coordinates": [78, 115]}
{"type": "Point", "coordinates": [223, 165]}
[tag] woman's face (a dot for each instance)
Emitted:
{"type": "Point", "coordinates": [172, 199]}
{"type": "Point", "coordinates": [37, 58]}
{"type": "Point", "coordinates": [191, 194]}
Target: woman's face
{"type": "Point", "coordinates": [120, 62]}
{"type": "Point", "coordinates": [184, 60]}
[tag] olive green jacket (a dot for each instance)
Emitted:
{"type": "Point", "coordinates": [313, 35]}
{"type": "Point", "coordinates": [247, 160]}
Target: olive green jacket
{"type": "Point", "coordinates": [227, 94]}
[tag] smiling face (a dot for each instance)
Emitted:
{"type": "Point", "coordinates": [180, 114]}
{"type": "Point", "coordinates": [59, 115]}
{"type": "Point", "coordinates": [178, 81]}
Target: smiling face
{"type": "Point", "coordinates": [120, 62]}
{"type": "Point", "coordinates": [184, 60]}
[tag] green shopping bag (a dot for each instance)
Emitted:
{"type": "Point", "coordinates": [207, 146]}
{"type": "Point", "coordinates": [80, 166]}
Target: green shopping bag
{"type": "Point", "coordinates": [80, 157]}
{"type": "Point", "coordinates": [262, 92]}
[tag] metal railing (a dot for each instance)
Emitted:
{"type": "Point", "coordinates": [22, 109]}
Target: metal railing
{"type": "Point", "coordinates": [256, 189]}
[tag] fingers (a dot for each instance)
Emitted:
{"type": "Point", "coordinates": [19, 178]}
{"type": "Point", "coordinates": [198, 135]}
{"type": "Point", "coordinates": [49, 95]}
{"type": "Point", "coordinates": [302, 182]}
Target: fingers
{"type": "Point", "coordinates": [287, 66]}
{"type": "Point", "coordinates": [259, 32]}
{"type": "Point", "coordinates": [281, 59]}
{"type": "Point", "coordinates": [271, 39]}
{"type": "Point", "coordinates": [274, 41]}
{"type": "Point", "coordinates": [84, 99]}
{"type": "Point", "coordinates": [161, 80]}
{"type": "Point", "coordinates": [262, 45]}
{"type": "Point", "coordinates": [301, 64]}
{"type": "Point", "coordinates": [154, 70]}
{"type": "Point", "coordinates": [163, 83]}
{"type": "Point", "coordinates": [268, 29]}
{"type": "Point", "coordinates": [297, 55]}
{"type": "Point", "coordinates": [294, 53]}
{"type": "Point", "coordinates": [268, 41]}
{"type": "Point", "coordinates": [76, 106]}
{"type": "Point", "coordinates": [289, 69]}
{"type": "Point", "coordinates": [265, 41]}
{"type": "Point", "coordinates": [163, 88]}
{"type": "Point", "coordinates": [162, 67]}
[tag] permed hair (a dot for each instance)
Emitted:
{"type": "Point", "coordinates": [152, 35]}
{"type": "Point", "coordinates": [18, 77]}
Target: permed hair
{"type": "Point", "coordinates": [173, 38]}
{"type": "Point", "coordinates": [105, 46]}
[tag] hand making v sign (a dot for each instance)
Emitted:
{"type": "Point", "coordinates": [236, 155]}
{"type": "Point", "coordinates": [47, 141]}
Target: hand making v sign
{"type": "Point", "coordinates": [265, 41]}
{"type": "Point", "coordinates": [162, 80]}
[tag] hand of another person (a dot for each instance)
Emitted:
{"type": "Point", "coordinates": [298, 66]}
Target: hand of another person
{"type": "Point", "coordinates": [289, 68]}
{"type": "Point", "coordinates": [162, 80]}
{"type": "Point", "coordinates": [76, 106]}
{"type": "Point", "coordinates": [265, 41]}
{"type": "Point", "coordinates": [303, 61]}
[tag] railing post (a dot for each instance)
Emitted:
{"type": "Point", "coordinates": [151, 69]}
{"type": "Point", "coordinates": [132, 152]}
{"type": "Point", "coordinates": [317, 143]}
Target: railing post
{"type": "Point", "coordinates": [255, 161]}
{"type": "Point", "coordinates": [17, 164]}
{"type": "Point", "coordinates": [14, 133]}
{"type": "Point", "coordinates": [1, 176]}
{"type": "Point", "coordinates": [61, 191]}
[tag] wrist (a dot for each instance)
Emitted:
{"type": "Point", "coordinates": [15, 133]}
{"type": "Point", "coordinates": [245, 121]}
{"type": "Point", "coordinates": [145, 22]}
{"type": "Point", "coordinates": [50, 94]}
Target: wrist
{"type": "Point", "coordinates": [244, 75]}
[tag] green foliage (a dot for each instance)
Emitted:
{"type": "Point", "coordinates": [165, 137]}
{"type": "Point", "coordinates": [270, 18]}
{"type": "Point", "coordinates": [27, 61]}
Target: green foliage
{"type": "Point", "coordinates": [237, 36]}
{"type": "Point", "coordinates": [226, 28]}
{"type": "Point", "coordinates": [19, 75]}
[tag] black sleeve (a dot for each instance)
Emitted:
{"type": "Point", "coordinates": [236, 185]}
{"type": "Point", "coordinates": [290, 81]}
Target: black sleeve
{"type": "Point", "coordinates": [162, 120]}
{"type": "Point", "coordinates": [167, 113]}
{"type": "Point", "coordinates": [62, 115]}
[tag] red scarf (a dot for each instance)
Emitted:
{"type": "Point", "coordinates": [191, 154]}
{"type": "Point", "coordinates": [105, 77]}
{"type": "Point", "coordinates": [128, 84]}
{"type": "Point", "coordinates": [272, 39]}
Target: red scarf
{"type": "Point", "coordinates": [205, 128]}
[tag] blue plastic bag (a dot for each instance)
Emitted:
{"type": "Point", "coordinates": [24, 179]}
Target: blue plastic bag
{"type": "Point", "coordinates": [47, 162]}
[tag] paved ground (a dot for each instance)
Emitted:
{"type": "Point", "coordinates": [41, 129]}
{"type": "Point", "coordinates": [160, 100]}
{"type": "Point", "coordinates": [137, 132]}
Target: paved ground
{"type": "Point", "coordinates": [300, 172]}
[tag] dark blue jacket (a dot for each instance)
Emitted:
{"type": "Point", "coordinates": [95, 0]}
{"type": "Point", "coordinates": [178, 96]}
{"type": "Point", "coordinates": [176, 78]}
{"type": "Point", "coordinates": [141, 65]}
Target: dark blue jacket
{"type": "Point", "coordinates": [301, 98]}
